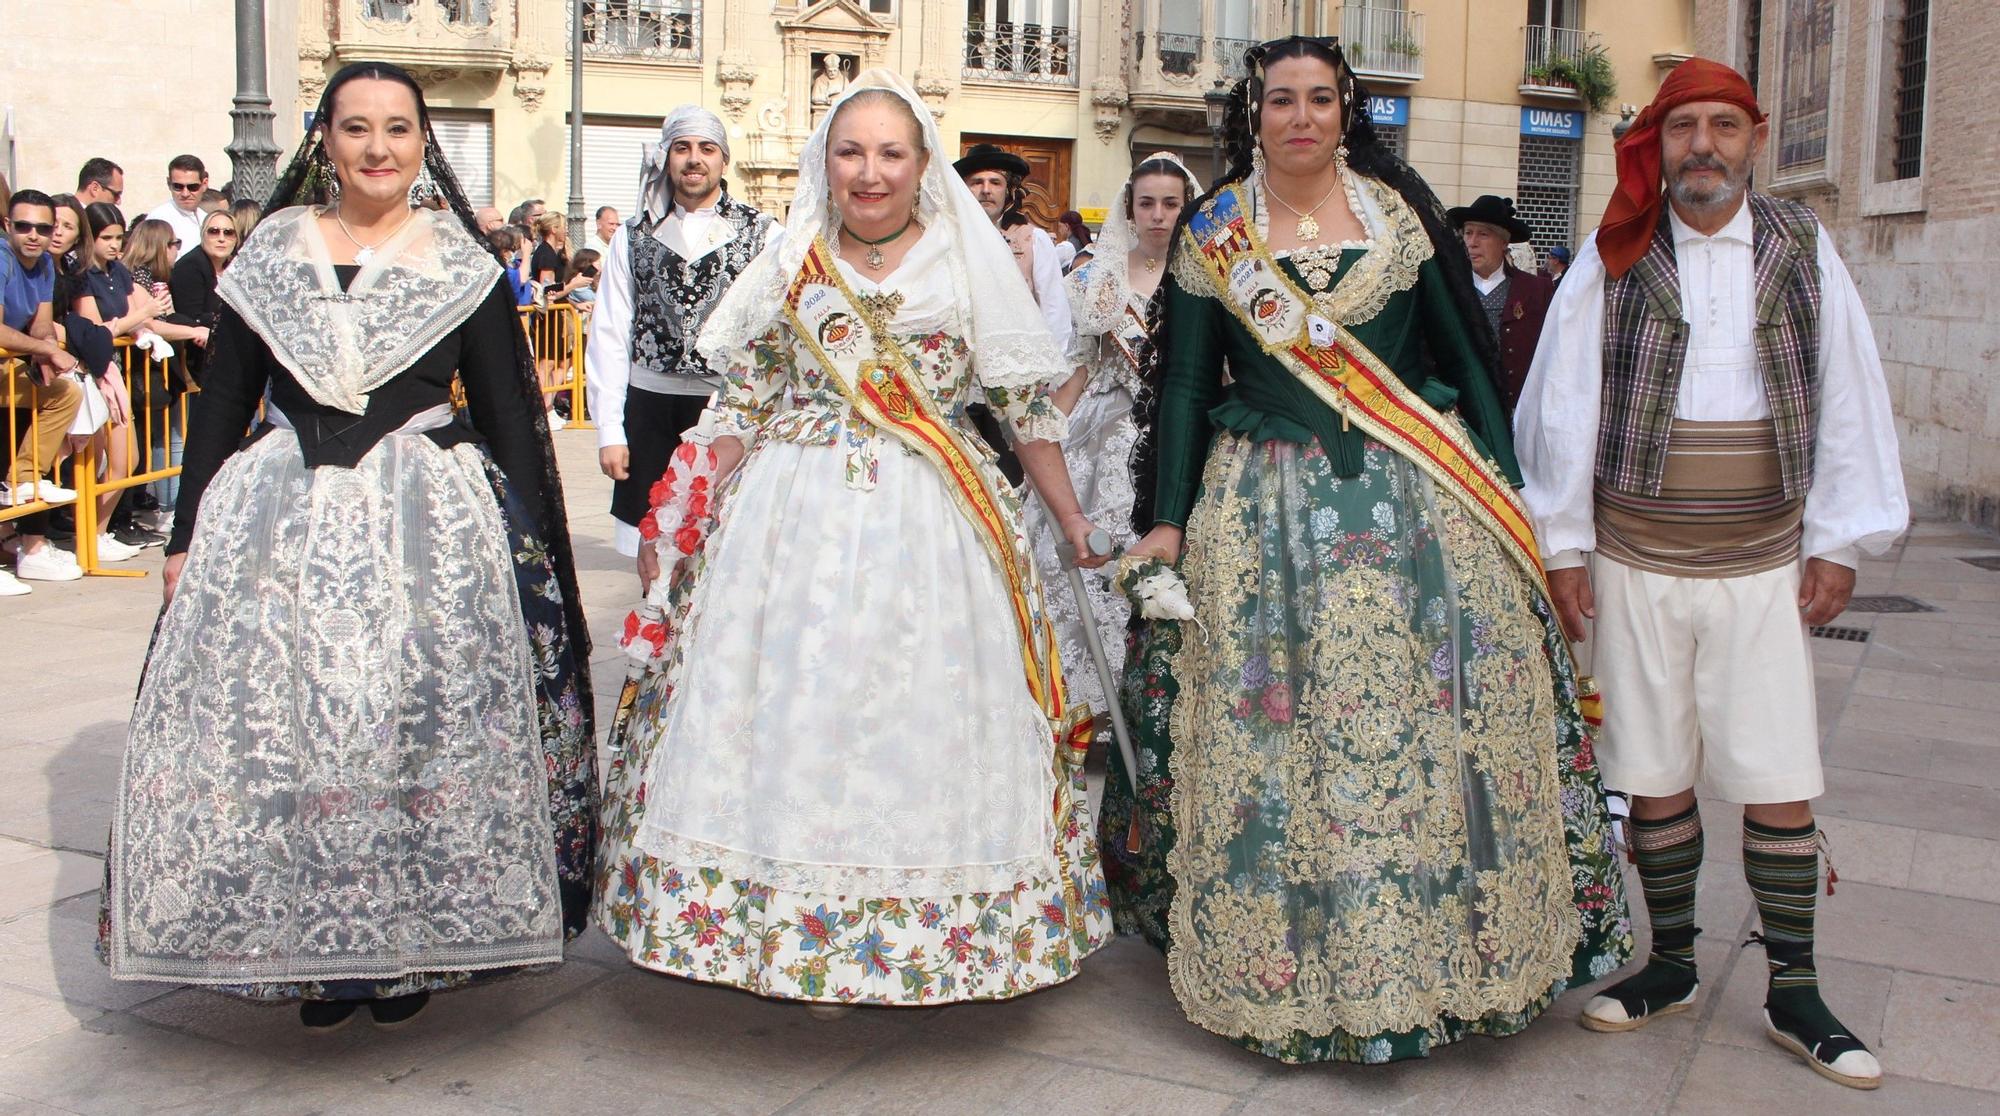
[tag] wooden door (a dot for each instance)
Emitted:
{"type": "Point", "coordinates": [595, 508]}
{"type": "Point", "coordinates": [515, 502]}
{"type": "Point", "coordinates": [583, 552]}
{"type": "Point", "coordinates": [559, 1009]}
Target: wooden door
{"type": "Point", "coordinates": [1048, 173]}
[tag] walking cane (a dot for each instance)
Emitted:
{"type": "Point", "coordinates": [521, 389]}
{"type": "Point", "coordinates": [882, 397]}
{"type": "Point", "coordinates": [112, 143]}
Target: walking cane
{"type": "Point", "coordinates": [1100, 543]}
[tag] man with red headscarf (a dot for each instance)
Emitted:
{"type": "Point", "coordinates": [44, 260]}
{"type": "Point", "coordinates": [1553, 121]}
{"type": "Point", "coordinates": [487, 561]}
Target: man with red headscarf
{"type": "Point", "coordinates": [1705, 409]}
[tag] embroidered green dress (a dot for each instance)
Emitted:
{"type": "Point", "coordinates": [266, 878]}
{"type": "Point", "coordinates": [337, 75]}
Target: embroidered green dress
{"type": "Point", "coordinates": [1369, 819]}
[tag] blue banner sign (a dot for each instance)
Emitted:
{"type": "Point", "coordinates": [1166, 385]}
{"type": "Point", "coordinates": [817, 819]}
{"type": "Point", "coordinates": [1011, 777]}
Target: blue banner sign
{"type": "Point", "coordinates": [1554, 123]}
{"type": "Point", "coordinates": [1389, 110]}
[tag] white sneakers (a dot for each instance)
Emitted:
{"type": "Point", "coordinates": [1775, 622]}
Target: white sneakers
{"type": "Point", "coordinates": [38, 489]}
{"type": "Point", "coordinates": [556, 421]}
{"type": "Point", "coordinates": [47, 564]}
{"type": "Point", "coordinates": [111, 550]}
{"type": "Point", "coordinates": [11, 587]}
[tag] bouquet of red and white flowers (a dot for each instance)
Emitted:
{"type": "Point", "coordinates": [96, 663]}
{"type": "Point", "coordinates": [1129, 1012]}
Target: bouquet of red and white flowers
{"type": "Point", "coordinates": [681, 517]}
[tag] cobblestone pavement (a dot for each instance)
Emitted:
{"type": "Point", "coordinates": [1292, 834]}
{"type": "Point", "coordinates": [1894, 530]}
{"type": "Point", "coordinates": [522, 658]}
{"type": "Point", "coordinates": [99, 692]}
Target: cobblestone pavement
{"type": "Point", "coordinates": [1909, 948]}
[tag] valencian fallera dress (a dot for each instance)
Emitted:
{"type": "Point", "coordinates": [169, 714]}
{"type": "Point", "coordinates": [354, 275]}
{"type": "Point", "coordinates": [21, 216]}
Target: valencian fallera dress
{"type": "Point", "coordinates": [361, 762]}
{"type": "Point", "coordinates": [1098, 452]}
{"type": "Point", "coordinates": [1370, 821]}
{"type": "Point", "coordinates": [837, 787]}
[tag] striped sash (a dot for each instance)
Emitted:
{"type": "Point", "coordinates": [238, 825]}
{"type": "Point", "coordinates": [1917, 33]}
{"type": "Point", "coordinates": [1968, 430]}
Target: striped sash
{"type": "Point", "coordinates": [1721, 509]}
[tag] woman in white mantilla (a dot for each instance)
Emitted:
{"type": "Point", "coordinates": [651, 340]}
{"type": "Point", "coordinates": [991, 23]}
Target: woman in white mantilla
{"type": "Point", "coordinates": [1108, 298]}
{"type": "Point", "coordinates": [849, 779]}
{"type": "Point", "coordinates": [360, 768]}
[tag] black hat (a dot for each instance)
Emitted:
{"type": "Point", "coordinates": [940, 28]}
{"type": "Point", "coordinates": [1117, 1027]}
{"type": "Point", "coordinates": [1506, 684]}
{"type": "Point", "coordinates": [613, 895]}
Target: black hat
{"type": "Point", "coordinates": [990, 157]}
{"type": "Point", "coordinates": [1491, 209]}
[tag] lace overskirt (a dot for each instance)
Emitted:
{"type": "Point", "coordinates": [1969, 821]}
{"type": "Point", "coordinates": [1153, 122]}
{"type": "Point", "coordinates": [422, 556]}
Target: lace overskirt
{"type": "Point", "coordinates": [1098, 452]}
{"type": "Point", "coordinates": [1371, 821]}
{"type": "Point", "coordinates": [839, 787]}
{"type": "Point", "coordinates": [345, 756]}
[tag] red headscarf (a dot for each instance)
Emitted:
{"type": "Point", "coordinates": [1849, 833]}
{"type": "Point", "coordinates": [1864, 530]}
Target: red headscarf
{"type": "Point", "coordinates": [1634, 211]}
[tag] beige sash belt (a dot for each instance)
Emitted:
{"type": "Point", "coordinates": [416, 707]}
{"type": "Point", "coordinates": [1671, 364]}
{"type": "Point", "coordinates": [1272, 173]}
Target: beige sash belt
{"type": "Point", "coordinates": [1721, 511]}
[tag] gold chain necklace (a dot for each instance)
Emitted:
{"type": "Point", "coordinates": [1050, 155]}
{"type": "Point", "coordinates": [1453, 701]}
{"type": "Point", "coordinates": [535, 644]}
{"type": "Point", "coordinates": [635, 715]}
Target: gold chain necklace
{"type": "Point", "coordinates": [1308, 229]}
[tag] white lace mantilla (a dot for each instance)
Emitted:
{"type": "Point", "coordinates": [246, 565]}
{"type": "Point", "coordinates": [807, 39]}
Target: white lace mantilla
{"type": "Point", "coordinates": [421, 284]}
{"type": "Point", "coordinates": [1011, 344]}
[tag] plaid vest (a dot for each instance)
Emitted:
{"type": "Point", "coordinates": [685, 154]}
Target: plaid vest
{"type": "Point", "coordinates": [1646, 341]}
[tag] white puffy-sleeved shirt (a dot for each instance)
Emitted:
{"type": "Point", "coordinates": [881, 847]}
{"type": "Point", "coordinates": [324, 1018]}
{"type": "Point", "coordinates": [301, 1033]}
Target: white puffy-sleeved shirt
{"type": "Point", "coordinates": [1856, 502]}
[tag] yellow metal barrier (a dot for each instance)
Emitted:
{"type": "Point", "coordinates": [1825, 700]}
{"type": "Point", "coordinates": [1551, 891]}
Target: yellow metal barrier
{"type": "Point", "coordinates": [23, 438]}
{"type": "Point", "coordinates": [159, 398]}
{"type": "Point", "coordinates": [556, 335]}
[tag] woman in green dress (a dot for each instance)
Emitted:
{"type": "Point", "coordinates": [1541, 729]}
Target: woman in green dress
{"type": "Point", "coordinates": [1369, 822]}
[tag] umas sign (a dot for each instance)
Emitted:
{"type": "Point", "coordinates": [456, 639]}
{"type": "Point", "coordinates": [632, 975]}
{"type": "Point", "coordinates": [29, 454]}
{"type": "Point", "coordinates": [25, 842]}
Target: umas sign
{"type": "Point", "coordinates": [1554, 123]}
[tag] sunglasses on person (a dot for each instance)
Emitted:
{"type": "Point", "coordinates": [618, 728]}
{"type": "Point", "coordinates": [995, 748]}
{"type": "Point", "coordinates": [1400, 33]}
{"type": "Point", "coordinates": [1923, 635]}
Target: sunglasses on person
{"type": "Point", "coordinates": [186, 187]}
{"type": "Point", "coordinates": [225, 231]}
{"type": "Point", "coordinates": [174, 243]}
{"type": "Point", "coordinates": [38, 228]}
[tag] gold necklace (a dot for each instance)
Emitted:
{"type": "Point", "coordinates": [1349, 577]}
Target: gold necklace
{"type": "Point", "coordinates": [1308, 229]}
{"type": "Point", "coordinates": [365, 252]}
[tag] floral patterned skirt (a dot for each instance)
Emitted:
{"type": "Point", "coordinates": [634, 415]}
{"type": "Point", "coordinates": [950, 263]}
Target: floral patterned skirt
{"type": "Point", "coordinates": [834, 786]}
{"type": "Point", "coordinates": [1368, 820]}
{"type": "Point", "coordinates": [261, 491]}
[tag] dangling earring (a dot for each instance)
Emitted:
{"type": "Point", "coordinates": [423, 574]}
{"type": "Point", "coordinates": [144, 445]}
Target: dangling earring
{"type": "Point", "coordinates": [422, 189]}
{"type": "Point", "coordinates": [1257, 160]}
{"type": "Point", "coordinates": [329, 182]}
{"type": "Point", "coordinates": [1340, 157]}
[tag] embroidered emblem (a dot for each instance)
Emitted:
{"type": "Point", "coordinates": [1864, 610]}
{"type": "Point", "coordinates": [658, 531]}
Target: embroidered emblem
{"type": "Point", "coordinates": [839, 333]}
{"type": "Point", "coordinates": [1266, 306]}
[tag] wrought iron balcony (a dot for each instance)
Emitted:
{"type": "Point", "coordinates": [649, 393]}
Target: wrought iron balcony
{"type": "Point", "coordinates": [1382, 42]}
{"type": "Point", "coordinates": [644, 30]}
{"type": "Point", "coordinates": [1546, 54]}
{"type": "Point", "coordinates": [1023, 52]}
{"type": "Point", "coordinates": [427, 35]}
{"type": "Point", "coordinates": [1229, 56]}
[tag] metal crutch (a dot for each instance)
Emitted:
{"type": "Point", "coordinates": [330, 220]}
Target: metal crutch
{"type": "Point", "coordinates": [1100, 543]}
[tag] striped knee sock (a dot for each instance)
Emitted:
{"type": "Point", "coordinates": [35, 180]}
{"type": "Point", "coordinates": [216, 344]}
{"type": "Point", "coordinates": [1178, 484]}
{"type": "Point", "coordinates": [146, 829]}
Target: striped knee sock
{"type": "Point", "coordinates": [1669, 854]}
{"type": "Point", "coordinates": [1782, 867]}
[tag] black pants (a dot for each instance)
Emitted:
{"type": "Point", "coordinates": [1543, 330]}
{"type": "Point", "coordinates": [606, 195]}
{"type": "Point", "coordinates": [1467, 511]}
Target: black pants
{"type": "Point", "coordinates": [653, 426]}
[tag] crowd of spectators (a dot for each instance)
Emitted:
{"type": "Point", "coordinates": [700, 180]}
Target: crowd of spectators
{"type": "Point", "coordinates": [78, 274]}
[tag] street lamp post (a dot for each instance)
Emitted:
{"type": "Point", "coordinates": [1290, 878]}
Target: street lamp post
{"type": "Point", "coordinates": [576, 203]}
{"type": "Point", "coordinates": [253, 153]}
{"type": "Point", "coordinates": [1215, 103]}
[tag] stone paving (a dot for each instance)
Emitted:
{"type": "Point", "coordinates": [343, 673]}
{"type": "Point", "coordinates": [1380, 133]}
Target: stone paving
{"type": "Point", "coordinates": [1909, 947]}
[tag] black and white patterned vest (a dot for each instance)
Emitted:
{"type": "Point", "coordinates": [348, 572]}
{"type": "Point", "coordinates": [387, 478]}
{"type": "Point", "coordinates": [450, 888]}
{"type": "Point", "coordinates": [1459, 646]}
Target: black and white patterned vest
{"type": "Point", "coordinates": [672, 297]}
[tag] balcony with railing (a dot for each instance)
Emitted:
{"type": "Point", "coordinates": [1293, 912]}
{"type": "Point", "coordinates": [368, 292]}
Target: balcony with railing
{"type": "Point", "coordinates": [1020, 52]}
{"type": "Point", "coordinates": [642, 30]}
{"type": "Point", "coordinates": [1168, 71]}
{"type": "Point", "coordinates": [471, 35]}
{"type": "Point", "coordinates": [1384, 43]}
{"type": "Point", "coordinates": [1548, 56]}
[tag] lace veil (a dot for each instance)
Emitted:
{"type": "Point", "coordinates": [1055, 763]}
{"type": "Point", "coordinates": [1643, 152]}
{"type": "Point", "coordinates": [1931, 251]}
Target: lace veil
{"type": "Point", "coordinates": [1104, 287]}
{"type": "Point", "coordinates": [1010, 344]}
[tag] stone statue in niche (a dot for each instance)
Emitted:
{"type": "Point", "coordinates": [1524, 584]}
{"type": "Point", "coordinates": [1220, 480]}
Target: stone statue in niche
{"type": "Point", "coordinates": [831, 73]}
